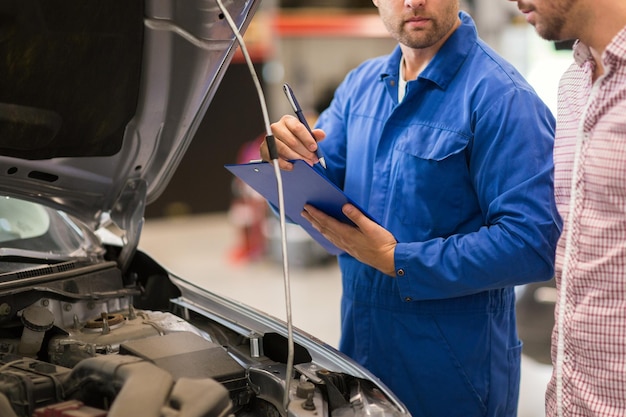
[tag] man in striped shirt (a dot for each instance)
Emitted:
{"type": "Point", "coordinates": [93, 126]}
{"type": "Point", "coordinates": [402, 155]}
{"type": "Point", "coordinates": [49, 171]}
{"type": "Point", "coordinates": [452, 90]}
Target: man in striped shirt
{"type": "Point", "coordinates": [589, 338]}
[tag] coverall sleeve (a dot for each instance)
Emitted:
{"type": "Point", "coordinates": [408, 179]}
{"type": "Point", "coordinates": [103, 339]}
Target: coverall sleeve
{"type": "Point", "coordinates": [511, 169]}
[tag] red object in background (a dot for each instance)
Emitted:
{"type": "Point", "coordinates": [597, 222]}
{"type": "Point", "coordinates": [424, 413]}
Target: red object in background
{"type": "Point", "coordinates": [248, 210]}
{"type": "Point", "coordinates": [71, 408]}
{"type": "Point", "coordinates": [329, 24]}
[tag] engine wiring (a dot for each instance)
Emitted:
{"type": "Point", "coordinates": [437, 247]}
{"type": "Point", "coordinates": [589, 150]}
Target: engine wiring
{"type": "Point", "coordinates": [281, 206]}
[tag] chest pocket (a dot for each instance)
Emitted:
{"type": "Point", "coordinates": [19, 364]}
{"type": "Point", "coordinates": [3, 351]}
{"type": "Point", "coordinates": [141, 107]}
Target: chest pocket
{"type": "Point", "coordinates": [431, 184]}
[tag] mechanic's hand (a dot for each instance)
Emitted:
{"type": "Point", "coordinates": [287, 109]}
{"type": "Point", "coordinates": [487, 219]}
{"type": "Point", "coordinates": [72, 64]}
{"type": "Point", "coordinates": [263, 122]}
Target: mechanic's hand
{"type": "Point", "coordinates": [369, 242]}
{"type": "Point", "coordinates": [293, 141]}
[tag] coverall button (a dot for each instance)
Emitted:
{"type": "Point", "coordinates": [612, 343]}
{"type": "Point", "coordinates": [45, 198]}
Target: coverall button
{"type": "Point", "coordinates": [400, 272]}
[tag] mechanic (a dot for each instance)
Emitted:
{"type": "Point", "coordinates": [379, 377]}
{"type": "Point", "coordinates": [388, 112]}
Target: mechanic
{"type": "Point", "coordinates": [450, 150]}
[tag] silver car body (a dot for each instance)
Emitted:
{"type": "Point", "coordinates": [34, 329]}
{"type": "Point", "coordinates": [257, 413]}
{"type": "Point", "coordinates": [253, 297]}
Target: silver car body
{"type": "Point", "coordinates": [99, 100]}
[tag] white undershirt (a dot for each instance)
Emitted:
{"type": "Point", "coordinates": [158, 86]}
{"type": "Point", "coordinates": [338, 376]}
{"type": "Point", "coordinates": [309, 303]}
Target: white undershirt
{"type": "Point", "coordinates": [401, 81]}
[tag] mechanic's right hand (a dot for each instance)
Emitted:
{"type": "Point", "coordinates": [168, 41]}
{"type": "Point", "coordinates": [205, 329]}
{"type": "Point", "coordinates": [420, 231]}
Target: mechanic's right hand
{"type": "Point", "coordinates": [293, 141]}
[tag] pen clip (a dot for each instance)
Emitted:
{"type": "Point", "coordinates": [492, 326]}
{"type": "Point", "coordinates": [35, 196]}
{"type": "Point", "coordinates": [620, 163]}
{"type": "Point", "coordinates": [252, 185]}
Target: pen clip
{"type": "Point", "coordinates": [291, 97]}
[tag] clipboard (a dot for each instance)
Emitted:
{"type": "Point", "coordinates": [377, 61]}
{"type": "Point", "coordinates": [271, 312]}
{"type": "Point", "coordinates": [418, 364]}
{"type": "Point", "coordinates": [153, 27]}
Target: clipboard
{"type": "Point", "coordinates": [303, 185]}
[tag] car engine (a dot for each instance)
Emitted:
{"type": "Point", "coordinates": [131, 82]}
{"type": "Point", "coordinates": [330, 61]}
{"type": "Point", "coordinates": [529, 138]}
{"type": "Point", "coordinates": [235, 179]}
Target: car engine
{"type": "Point", "coordinates": [88, 340]}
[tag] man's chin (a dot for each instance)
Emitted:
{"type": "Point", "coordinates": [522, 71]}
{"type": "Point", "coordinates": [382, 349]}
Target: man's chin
{"type": "Point", "coordinates": [546, 33]}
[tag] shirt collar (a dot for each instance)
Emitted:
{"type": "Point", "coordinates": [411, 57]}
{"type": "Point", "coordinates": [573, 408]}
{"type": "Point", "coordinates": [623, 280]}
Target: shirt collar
{"type": "Point", "coordinates": [446, 63]}
{"type": "Point", "coordinates": [614, 53]}
{"type": "Point", "coordinates": [582, 53]}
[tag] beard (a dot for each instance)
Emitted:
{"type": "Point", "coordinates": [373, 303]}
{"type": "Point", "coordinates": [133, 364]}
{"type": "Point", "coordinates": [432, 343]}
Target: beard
{"type": "Point", "coordinates": [419, 39]}
{"type": "Point", "coordinates": [550, 29]}
{"type": "Point", "coordinates": [551, 24]}
{"type": "Point", "coordinates": [438, 28]}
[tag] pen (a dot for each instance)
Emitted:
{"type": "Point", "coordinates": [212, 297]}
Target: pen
{"type": "Point", "coordinates": [298, 111]}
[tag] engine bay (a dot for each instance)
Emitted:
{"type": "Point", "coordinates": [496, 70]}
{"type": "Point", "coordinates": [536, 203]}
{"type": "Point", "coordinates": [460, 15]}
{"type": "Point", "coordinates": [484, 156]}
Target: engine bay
{"type": "Point", "coordinates": [89, 340]}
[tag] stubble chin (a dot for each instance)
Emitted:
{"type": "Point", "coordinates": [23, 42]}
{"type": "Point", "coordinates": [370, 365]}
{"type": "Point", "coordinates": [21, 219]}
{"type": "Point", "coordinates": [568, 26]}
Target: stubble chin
{"type": "Point", "coordinates": [419, 38]}
{"type": "Point", "coordinates": [417, 43]}
{"type": "Point", "coordinates": [547, 32]}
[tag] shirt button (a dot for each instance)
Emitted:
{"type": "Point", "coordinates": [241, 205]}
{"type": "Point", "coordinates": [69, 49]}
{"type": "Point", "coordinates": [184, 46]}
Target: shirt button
{"type": "Point", "coordinates": [400, 272]}
{"type": "Point", "coordinates": [407, 299]}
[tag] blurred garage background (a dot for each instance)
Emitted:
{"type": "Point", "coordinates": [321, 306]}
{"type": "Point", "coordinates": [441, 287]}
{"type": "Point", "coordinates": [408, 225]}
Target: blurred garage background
{"type": "Point", "coordinates": [311, 44]}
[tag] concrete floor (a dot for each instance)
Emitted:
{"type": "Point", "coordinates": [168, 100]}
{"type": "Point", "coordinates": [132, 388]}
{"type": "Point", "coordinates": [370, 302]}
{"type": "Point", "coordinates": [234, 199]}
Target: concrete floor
{"type": "Point", "coordinates": [198, 248]}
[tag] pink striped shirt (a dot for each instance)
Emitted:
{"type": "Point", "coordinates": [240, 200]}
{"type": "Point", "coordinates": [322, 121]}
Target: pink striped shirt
{"type": "Point", "coordinates": [589, 338]}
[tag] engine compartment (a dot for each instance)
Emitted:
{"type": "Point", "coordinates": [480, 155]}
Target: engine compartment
{"type": "Point", "coordinates": [89, 340]}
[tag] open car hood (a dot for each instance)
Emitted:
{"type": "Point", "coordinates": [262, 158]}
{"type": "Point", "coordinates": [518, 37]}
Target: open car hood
{"type": "Point", "coordinates": [100, 99]}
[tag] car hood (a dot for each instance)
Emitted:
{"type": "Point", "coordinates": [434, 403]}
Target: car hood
{"type": "Point", "coordinates": [100, 99]}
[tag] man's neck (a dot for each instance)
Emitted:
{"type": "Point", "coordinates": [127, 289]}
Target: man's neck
{"type": "Point", "coordinates": [599, 67]}
{"type": "Point", "coordinates": [605, 22]}
{"type": "Point", "coordinates": [411, 70]}
{"type": "Point", "coordinates": [416, 59]}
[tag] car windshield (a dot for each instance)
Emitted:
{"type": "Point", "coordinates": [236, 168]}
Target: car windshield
{"type": "Point", "coordinates": [32, 231]}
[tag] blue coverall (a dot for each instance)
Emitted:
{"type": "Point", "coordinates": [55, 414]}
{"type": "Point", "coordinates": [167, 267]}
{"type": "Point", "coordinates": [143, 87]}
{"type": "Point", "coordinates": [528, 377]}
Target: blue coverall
{"type": "Point", "coordinates": [461, 173]}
